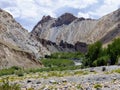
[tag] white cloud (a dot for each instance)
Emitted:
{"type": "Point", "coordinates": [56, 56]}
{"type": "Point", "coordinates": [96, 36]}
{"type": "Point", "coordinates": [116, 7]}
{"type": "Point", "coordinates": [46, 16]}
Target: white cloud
{"type": "Point", "coordinates": [79, 4]}
{"type": "Point", "coordinates": [107, 7]}
{"type": "Point", "coordinates": [85, 15]}
{"type": "Point", "coordinates": [14, 11]}
{"type": "Point", "coordinates": [33, 10]}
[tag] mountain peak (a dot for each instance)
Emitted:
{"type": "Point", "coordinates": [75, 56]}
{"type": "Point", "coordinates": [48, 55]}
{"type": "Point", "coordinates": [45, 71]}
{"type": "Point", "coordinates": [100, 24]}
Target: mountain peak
{"type": "Point", "coordinates": [45, 19]}
{"type": "Point", "coordinates": [66, 19]}
{"type": "Point", "coordinates": [67, 15]}
{"type": "Point", "coordinates": [5, 14]}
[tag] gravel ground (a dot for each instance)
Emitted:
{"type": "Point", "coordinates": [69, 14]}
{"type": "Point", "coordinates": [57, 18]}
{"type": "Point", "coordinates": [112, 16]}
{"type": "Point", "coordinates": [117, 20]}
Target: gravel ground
{"type": "Point", "coordinates": [101, 79]}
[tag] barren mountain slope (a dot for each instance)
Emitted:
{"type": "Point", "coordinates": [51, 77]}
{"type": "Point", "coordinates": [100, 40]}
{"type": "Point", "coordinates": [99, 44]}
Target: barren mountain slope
{"type": "Point", "coordinates": [13, 56]}
{"type": "Point", "coordinates": [107, 28]}
{"type": "Point", "coordinates": [78, 29]}
{"type": "Point", "coordinates": [13, 34]}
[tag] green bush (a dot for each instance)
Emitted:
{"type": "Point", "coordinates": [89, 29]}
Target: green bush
{"type": "Point", "coordinates": [6, 72]}
{"type": "Point", "coordinates": [98, 56]}
{"type": "Point", "coordinates": [15, 68]}
{"type": "Point", "coordinates": [117, 71]}
{"type": "Point", "coordinates": [114, 51]}
{"type": "Point", "coordinates": [79, 86]}
{"type": "Point", "coordinates": [9, 71]}
{"type": "Point", "coordinates": [7, 86]}
{"type": "Point", "coordinates": [19, 73]}
{"type": "Point", "coordinates": [101, 61]}
{"type": "Point", "coordinates": [94, 52]}
{"type": "Point", "coordinates": [97, 86]}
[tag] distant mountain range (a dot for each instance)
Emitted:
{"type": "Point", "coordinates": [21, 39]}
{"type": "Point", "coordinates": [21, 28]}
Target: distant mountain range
{"type": "Point", "coordinates": [66, 33]}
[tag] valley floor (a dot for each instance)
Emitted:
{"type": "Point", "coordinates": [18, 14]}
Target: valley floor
{"type": "Point", "coordinates": [85, 79]}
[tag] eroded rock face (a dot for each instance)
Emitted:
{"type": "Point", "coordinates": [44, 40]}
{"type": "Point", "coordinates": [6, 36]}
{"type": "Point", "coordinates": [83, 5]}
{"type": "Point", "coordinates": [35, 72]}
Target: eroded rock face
{"type": "Point", "coordinates": [64, 19]}
{"type": "Point", "coordinates": [73, 30]}
{"type": "Point", "coordinates": [13, 34]}
{"type": "Point", "coordinates": [12, 56]}
{"type": "Point", "coordinates": [70, 29]}
{"type": "Point", "coordinates": [107, 28]}
{"type": "Point", "coordinates": [64, 46]}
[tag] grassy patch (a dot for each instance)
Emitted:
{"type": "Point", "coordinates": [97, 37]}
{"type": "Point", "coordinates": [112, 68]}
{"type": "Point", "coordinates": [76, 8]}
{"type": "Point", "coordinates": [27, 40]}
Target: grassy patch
{"type": "Point", "coordinates": [7, 86]}
{"type": "Point", "coordinates": [20, 72]}
{"type": "Point", "coordinates": [66, 55]}
{"type": "Point", "coordinates": [54, 69]}
{"type": "Point", "coordinates": [57, 62]}
{"type": "Point", "coordinates": [116, 71]}
{"type": "Point", "coordinates": [97, 86]}
{"type": "Point", "coordinates": [80, 72]}
{"type": "Point", "coordinates": [9, 71]}
{"type": "Point", "coordinates": [79, 86]}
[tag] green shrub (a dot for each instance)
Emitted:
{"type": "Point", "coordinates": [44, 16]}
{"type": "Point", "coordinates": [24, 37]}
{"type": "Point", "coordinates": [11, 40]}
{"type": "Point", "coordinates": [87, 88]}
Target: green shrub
{"type": "Point", "coordinates": [117, 71]}
{"type": "Point", "coordinates": [114, 51]}
{"type": "Point", "coordinates": [80, 72]}
{"type": "Point", "coordinates": [7, 86]}
{"type": "Point", "coordinates": [6, 72]}
{"type": "Point", "coordinates": [94, 52]}
{"type": "Point", "coordinates": [97, 86]}
{"type": "Point", "coordinates": [9, 71]}
{"type": "Point", "coordinates": [15, 68]}
{"type": "Point", "coordinates": [30, 89]}
{"type": "Point", "coordinates": [79, 86]}
{"type": "Point", "coordinates": [101, 61]}
{"type": "Point", "coordinates": [19, 73]}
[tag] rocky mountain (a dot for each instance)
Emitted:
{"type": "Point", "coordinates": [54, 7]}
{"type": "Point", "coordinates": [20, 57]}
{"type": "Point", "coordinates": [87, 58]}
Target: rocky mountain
{"type": "Point", "coordinates": [16, 45]}
{"type": "Point", "coordinates": [66, 33]}
{"type": "Point", "coordinates": [62, 28]}
{"type": "Point", "coordinates": [70, 29]}
{"type": "Point", "coordinates": [13, 56]}
{"type": "Point", "coordinates": [107, 28]}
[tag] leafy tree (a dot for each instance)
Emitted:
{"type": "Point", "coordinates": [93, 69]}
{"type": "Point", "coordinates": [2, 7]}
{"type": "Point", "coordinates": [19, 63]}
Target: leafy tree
{"type": "Point", "coordinates": [114, 50]}
{"type": "Point", "coordinates": [101, 61]}
{"type": "Point", "coordinates": [94, 51]}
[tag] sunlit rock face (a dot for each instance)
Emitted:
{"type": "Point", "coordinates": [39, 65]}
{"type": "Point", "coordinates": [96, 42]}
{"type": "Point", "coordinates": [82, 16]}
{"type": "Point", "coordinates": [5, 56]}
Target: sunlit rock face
{"type": "Point", "coordinates": [66, 28]}
{"type": "Point", "coordinates": [16, 45]}
{"type": "Point", "coordinates": [12, 32]}
{"type": "Point", "coordinates": [70, 29]}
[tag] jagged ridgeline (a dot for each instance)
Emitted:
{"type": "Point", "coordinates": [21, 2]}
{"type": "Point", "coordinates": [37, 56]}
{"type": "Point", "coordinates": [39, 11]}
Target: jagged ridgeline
{"type": "Point", "coordinates": [68, 30]}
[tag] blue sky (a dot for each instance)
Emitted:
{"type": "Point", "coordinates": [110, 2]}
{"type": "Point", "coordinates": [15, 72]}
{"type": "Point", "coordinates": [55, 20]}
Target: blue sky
{"type": "Point", "coordinates": [29, 12]}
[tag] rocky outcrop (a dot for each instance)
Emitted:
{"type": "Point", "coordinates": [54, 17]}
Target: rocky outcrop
{"type": "Point", "coordinates": [13, 56]}
{"type": "Point", "coordinates": [64, 19]}
{"type": "Point", "coordinates": [77, 30]}
{"type": "Point", "coordinates": [64, 46]}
